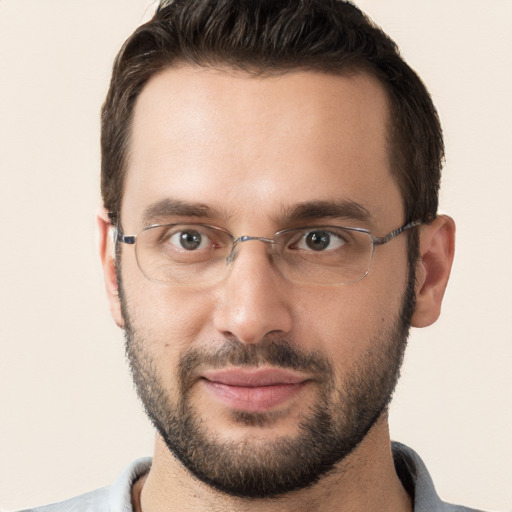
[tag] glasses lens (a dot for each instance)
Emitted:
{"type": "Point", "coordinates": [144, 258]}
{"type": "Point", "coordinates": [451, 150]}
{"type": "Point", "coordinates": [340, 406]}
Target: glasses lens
{"type": "Point", "coordinates": [194, 254]}
{"type": "Point", "coordinates": [324, 255]}
{"type": "Point", "coordinates": [183, 253]}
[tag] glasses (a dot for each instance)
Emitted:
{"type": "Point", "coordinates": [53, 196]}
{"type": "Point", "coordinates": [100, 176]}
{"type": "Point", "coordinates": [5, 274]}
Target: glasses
{"type": "Point", "coordinates": [199, 254]}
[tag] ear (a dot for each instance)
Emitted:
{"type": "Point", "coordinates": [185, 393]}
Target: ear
{"type": "Point", "coordinates": [107, 255]}
{"type": "Point", "coordinates": [437, 246]}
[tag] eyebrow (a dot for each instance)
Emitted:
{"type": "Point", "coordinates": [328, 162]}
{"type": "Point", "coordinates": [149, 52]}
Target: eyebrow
{"type": "Point", "coordinates": [301, 212]}
{"type": "Point", "coordinates": [341, 209]}
{"type": "Point", "coordinates": [174, 207]}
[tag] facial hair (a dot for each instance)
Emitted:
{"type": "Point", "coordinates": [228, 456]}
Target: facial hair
{"type": "Point", "coordinates": [344, 411]}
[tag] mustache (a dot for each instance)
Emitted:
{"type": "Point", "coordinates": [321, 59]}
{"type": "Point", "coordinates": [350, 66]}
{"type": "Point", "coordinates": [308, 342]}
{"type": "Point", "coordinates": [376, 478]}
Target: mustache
{"type": "Point", "coordinates": [275, 352]}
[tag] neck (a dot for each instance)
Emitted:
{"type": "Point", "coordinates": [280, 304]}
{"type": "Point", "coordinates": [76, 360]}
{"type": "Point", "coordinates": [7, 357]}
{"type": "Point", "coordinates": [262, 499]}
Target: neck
{"type": "Point", "coordinates": [365, 480]}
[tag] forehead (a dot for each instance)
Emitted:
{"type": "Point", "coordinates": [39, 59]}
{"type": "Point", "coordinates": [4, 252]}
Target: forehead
{"type": "Point", "coordinates": [241, 144]}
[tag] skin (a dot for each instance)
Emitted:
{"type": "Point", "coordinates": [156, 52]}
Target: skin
{"type": "Point", "coordinates": [241, 146]}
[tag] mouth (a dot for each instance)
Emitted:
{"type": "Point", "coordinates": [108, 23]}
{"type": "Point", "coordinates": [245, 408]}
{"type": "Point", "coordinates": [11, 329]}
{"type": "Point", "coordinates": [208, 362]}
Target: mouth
{"type": "Point", "coordinates": [254, 389]}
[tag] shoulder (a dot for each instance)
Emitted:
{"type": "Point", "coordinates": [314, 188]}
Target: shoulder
{"type": "Point", "coordinates": [116, 498]}
{"type": "Point", "coordinates": [94, 501]}
{"type": "Point", "coordinates": [417, 481]}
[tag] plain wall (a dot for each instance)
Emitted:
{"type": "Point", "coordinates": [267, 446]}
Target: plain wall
{"type": "Point", "coordinates": [69, 419]}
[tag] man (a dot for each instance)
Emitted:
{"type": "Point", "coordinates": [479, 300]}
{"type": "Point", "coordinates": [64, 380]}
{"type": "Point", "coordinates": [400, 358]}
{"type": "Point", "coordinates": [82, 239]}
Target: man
{"type": "Point", "coordinates": [270, 176]}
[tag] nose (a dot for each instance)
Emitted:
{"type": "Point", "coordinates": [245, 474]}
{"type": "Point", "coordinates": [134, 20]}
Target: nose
{"type": "Point", "coordinates": [254, 300]}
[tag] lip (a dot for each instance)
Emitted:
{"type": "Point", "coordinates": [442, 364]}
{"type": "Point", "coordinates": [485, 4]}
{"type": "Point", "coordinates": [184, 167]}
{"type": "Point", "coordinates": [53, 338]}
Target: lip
{"type": "Point", "coordinates": [254, 390]}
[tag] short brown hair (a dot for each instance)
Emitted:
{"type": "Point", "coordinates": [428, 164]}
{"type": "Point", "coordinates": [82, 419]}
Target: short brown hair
{"type": "Point", "coordinates": [274, 36]}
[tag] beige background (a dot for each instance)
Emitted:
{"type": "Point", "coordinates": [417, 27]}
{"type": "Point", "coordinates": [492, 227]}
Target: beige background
{"type": "Point", "coordinates": [69, 420]}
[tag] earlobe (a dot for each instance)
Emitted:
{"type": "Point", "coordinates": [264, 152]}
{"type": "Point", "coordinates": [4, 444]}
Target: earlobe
{"type": "Point", "coordinates": [437, 247]}
{"type": "Point", "coordinates": [107, 255]}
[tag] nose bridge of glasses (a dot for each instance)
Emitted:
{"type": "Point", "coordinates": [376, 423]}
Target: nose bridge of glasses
{"type": "Point", "coordinates": [246, 238]}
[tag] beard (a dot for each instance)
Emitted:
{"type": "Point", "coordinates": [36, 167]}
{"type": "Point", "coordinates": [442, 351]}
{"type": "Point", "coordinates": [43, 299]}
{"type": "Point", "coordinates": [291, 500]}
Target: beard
{"type": "Point", "coordinates": [345, 408]}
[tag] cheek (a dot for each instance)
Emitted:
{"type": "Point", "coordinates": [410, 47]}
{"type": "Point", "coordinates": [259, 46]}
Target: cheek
{"type": "Point", "coordinates": [172, 317]}
{"type": "Point", "coordinates": [345, 322]}
{"type": "Point", "coordinates": [167, 324]}
{"type": "Point", "coordinates": [167, 319]}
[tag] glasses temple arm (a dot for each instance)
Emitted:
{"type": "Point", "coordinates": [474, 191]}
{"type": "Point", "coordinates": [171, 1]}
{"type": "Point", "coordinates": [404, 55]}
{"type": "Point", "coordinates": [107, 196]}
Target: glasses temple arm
{"type": "Point", "coordinates": [124, 239]}
{"type": "Point", "coordinates": [385, 239]}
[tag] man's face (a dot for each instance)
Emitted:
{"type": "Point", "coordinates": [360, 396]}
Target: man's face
{"type": "Point", "coordinates": [259, 385]}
